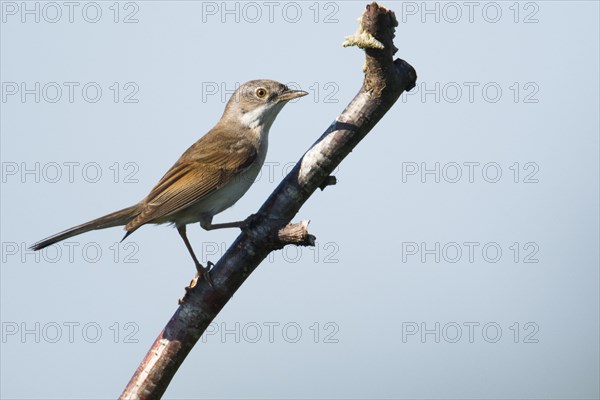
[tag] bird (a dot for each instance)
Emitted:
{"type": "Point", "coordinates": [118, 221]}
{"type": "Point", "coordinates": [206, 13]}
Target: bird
{"type": "Point", "coordinates": [210, 176]}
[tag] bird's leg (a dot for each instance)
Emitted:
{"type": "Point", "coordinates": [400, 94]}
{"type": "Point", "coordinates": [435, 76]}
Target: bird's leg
{"type": "Point", "coordinates": [207, 224]}
{"type": "Point", "coordinates": [210, 226]}
{"type": "Point", "coordinates": [202, 271]}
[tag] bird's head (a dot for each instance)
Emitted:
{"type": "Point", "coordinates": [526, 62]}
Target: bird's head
{"type": "Point", "coordinates": [256, 103]}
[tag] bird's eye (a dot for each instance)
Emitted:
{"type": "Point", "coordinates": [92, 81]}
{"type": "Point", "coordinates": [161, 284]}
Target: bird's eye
{"type": "Point", "coordinates": [261, 93]}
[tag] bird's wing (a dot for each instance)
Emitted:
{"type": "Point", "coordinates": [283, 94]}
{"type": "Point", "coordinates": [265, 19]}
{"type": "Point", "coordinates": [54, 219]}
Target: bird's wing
{"type": "Point", "coordinates": [207, 166]}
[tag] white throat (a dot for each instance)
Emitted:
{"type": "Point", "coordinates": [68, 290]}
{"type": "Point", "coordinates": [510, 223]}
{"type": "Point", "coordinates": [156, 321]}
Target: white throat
{"type": "Point", "coordinates": [262, 117]}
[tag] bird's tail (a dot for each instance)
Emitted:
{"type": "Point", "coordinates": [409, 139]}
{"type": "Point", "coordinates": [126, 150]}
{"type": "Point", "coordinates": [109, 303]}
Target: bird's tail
{"type": "Point", "coordinates": [121, 217]}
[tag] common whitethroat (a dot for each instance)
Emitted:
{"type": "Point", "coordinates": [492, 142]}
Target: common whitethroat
{"type": "Point", "coordinates": [211, 176]}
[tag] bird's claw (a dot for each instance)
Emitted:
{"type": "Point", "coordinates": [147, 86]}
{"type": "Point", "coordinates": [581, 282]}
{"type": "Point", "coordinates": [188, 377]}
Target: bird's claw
{"type": "Point", "coordinates": [206, 273]}
{"type": "Point", "coordinates": [202, 271]}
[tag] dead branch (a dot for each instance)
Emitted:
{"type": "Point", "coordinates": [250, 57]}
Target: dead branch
{"type": "Point", "coordinates": [385, 80]}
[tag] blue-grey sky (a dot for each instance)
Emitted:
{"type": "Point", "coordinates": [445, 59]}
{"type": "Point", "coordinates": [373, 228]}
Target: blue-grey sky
{"type": "Point", "coordinates": [456, 258]}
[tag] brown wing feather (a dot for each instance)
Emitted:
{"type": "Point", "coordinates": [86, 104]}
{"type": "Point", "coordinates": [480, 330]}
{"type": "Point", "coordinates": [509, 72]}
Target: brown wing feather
{"type": "Point", "coordinates": [205, 167]}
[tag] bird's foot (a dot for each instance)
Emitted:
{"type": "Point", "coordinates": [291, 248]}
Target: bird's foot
{"type": "Point", "coordinates": [206, 273]}
{"type": "Point", "coordinates": [202, 272]}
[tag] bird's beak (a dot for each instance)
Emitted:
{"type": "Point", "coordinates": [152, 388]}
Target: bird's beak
{"type": "Point", "coordinates": [289, 94]}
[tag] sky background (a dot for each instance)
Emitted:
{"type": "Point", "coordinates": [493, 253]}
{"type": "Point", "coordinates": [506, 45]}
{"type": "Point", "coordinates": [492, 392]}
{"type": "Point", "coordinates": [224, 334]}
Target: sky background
{"type": "Point", "coordinates": [457, 257]}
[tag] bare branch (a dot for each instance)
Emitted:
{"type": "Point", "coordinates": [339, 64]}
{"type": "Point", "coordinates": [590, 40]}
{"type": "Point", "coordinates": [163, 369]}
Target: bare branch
{"type": "Point", "coordinates": [385, 80]}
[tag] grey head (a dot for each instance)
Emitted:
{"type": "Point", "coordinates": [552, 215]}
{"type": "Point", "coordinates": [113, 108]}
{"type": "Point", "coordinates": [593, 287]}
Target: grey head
{"type": "Point", "coordinates": [255, 104]}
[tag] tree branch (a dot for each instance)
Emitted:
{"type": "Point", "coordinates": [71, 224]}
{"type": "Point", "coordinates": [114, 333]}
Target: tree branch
{"type": "Point", "coordinates": [384, 82]}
